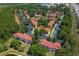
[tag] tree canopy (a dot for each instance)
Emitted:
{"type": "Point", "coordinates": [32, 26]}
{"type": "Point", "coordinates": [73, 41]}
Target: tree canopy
{"type": "Point", "coordinates": [42, 22]}
{"type": "Point", "coordinates": [37, 50]}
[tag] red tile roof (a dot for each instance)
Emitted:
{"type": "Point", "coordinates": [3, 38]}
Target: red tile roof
{"type": "Point", "coordinates": [17, 19]}
{"type": "Point", "coordinates": [39, 27]}
{"type": "Point", "coordinates": [47, 29]}
{"type": "Point", "coordinates": [51, 23]}
{"type": "Point", "coordinates": [25, 12]}
{"type": "Point", "coordinates": [34, 21]}
{"type": "Point", "coordinates": [24, 36]}
{"type": "Point", "coordinates": [52, 15]}
{"type": "Point", "coordinates": [48, 44]}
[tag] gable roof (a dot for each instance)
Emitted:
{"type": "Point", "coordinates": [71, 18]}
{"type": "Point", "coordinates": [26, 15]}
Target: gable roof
{"type": "Point", "coordinates": [52, 16]}
{"type": "Point", "coordinates": [24, 36]}
{"type": "Point", "coordinates": [48, 44]}
{"type": "Point", "coordinates": [34, 21]}
{"type": "Point", "coordinates": [17, 20]}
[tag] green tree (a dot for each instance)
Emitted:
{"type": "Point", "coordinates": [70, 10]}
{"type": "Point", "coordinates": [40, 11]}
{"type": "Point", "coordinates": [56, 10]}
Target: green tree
{"type": "Point", "coordinates": [32, 12]}
{"type": "Point", "coordinates": [37, 50]}
{"type": "Point", "coordinates": [8, 25]}
{"type": "Point", "coordinates": [42, 22]}
{"type": "Point", "coordinates": [69, 42]}
{"type": "Point", "coordinates": [15, 44]}
{"type": "Point", "coordinates": [58, 18]}
{"type": "Point", "coordinates": [6, 46]}
{"type": "Point", "coordinates": [41, 32]}
{"type": "Point", "coordinates": [1, 48]}
{"type": "Point", "coordinates": [36, 36]}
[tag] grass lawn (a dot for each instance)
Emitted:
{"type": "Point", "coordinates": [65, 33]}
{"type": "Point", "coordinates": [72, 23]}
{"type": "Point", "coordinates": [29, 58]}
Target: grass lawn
{"type": "Point", "coordinates": [50, 53]}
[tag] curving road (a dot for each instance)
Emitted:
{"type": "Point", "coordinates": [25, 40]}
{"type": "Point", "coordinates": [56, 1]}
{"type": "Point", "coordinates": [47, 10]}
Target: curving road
{"type": "Point", "coordinates": [75, 29]}
{"type": "Point", "coordinates": [76, 8]}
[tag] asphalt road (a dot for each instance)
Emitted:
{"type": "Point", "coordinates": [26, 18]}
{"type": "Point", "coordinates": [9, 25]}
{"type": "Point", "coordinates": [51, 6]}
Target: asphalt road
{"type": "Point", "coordinates": [76, 8]}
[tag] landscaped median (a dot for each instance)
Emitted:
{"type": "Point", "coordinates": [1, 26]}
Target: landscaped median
{"type": "Point", "coordinates": [15, 52]}
{"type": "Point", "coordinates": [11, 51]}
